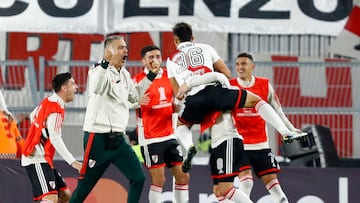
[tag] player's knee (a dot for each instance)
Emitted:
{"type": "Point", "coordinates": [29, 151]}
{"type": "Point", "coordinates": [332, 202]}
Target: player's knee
{"type": "Point", "coordinates": [251, 100]}
{"type": "Point", "coordinates": [51, 198]}
{"type": "Point", "coordinates": [159, 181]}
{"type": "Point", "coordinates": [182, 178]}
{"type": "Point", "coordinates": [223, 188]}
{"type": "Point", "coordinates": [216, 190]}
{"type": "Point", "coordinates": [64, 195]}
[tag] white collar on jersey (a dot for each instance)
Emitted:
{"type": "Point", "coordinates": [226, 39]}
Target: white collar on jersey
{"type": "Point", "coordinates": [184, 44]}
{"type": "Point", "coordinates": [58, 99]}
{"type": "Point", "coordinates": [248, 83]}
{"type": "Point", "coordinates": [146, 71]}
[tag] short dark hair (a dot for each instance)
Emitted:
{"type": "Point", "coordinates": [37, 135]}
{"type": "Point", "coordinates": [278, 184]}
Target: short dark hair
{"type": "Point", "coordinates": [183, 31]}
{"type": "Point", "coordinates": [111, 38]}
{"type": "Point", "coordinates": [59, 80]}
{"type": "Point", "coordinates": [247, 55]}
{"type": "Point", "coordinates": [148, 48]}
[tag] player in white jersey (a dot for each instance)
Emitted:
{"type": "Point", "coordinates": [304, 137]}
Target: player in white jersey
{"type": "Point", "coordinates": [225, 159]}
{"type": "Point", "coordinates": [191, 59]}
{"type": "Point", "coordinates": [227, 148]}
{"type": "Point", "coordinates": [44, 139]}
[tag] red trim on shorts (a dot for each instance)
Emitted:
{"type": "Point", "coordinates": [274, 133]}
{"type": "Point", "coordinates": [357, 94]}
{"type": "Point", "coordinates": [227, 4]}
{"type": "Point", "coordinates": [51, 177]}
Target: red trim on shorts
{"type": "Point", "coordinates": [64, 188]}
{"type": "Point", "coordinates": [52, 192]}
{"type": "Point", "coordinates": [243, 168]}
{"type": "Point", "coordinates": [225, 175]}
{"type": "Point", "coordinates": [176, 163]}
{"type": "Point", "coordinates": [86, 155]}
{"type": "Point", "coordinates": [268, 171]}
{"type": "Point", "coordinates": [157, 166]}
{"type": "Point", "coordinates": [184, 121]}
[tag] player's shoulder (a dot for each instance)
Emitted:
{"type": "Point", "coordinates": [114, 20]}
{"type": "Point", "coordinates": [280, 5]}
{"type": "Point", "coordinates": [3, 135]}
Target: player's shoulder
{"type": "Point", "coordinates": [202, 44]}
{"type": "Point", "coordinates": [261, 79]}
{"type": "Point", "coordinates": [165, 72]}
{"type": "Point", "coordinates": [139, 76]}
{"type": "Point", "coordinates": [233, 81]}
{"type": "Point", "coordinates": [174, 54]}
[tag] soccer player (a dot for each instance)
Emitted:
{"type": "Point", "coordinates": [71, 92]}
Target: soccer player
{"type": "Point", "coordinates": [43, 138]}
{"type": "Point", "coordinates": [253, 128]}
{"type": "Point", "coordinates": [226, 144]}
{"type": "Point", "coordinates": [192, 59]}
{"type": "Point", "coordinates": [159, 146]}
{"type": "Point", "coordinates": [106, 118]}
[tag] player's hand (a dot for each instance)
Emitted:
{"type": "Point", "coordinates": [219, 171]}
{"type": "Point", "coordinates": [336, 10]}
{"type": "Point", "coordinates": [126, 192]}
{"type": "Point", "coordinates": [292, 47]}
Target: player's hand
{"type": "Point", "coordinates": [10, 117]}
{"type": "Point", "coordinates": [76, 165]}
{"type": "Point", "coordinates": [155, 66]}
{"type": "Point", "coordinates": [183, 89]}
{"type": "Point", "coordinates": [291, 136]}
{"type": "Point", "coordinates": [144, 100]}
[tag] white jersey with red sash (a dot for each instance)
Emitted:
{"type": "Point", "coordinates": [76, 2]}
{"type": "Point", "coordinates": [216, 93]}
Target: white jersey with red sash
{"type": "Point", "coordinates": [37, 147]}
{"type": "Point", "coordinates": [191, 59]}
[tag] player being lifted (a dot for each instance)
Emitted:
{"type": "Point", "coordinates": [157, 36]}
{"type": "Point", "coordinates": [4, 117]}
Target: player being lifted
{"type": "Point", "coordinates": [192, 59]}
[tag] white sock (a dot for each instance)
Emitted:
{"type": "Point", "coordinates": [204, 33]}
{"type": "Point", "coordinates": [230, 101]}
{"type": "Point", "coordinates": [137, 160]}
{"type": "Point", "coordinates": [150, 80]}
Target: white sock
{"type": "Point", "coordinates": [155, 194]}
{"type": "Point", "coordinates": [246, 184]}
{"type": "Point", "coordinates": [237, 196]}
{"type": "Point", "coordinates": [181, 193]}
{"type": "Point", "coordinates": [269, 115]}
{"type": "Point", "coordinates": [222, 199]}
{"type": "Point", "coordinates": [184, 136]}
{"type": "Point", "coordinates": [276, 192]}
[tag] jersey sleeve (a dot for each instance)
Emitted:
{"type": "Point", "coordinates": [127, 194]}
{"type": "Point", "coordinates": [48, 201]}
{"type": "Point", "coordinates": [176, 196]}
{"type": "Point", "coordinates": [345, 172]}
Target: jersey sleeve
{"type": "Point", "coordinates": [171, 68]}
{"type": "Point", "coordinates": [171, 71]}
{"type": "Point", "coordinates": [274, 101]}
{"type": "Point", "coordinates": [97, 79]}
{"type": "Point", "coordinates": [54, 124]}
{"type": "Point", "coordinates": [214, 55]}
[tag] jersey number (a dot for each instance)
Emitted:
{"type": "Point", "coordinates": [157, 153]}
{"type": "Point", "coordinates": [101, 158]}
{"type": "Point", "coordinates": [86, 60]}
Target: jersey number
{"type": "Point", "coordinates": [192, 58]}
{"type": "Point", "coordinates": [162, 93]}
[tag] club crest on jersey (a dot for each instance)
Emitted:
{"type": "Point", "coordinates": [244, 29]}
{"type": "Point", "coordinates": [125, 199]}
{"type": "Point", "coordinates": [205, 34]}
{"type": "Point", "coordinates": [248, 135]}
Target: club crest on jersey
{"type": "Point", "coordinates": [155, 158]}
{"type": "Point", "coordinates": [52, 184]}
{"type": "Point", "coordinates": [91, 163]}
